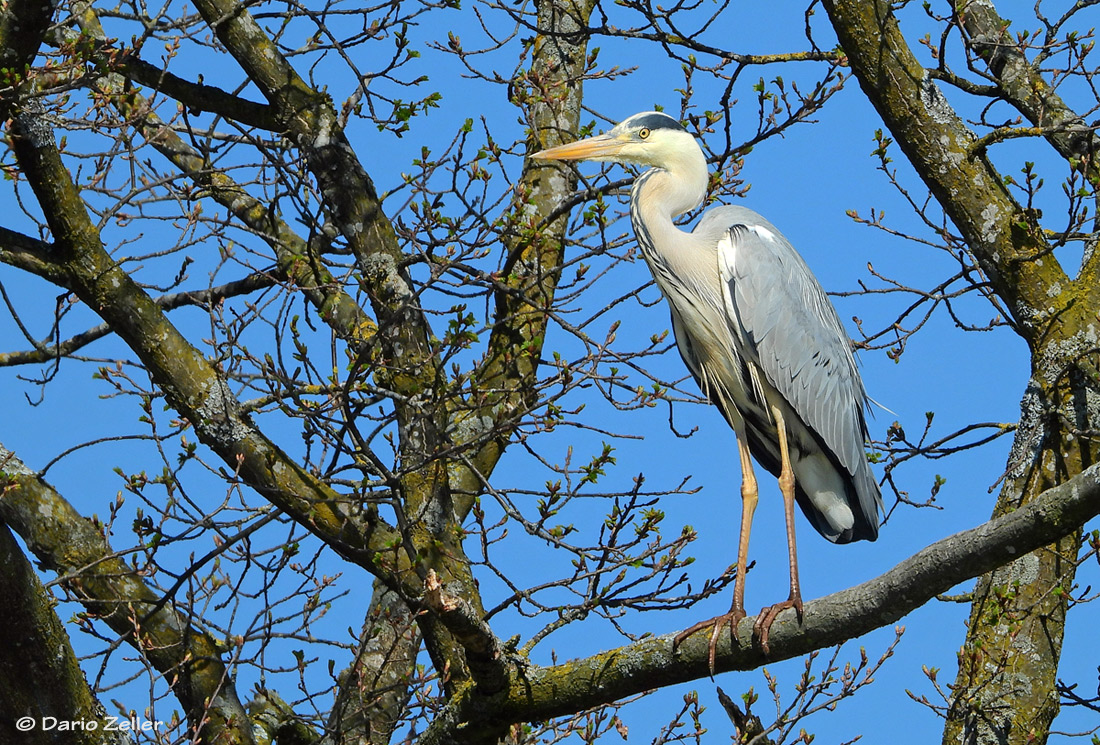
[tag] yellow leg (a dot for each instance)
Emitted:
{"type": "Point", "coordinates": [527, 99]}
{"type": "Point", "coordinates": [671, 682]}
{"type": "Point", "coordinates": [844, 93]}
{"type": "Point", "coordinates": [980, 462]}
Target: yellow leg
{"type": "Point", "coordinates": [786, 486]}
{"type": "Point", "coordinates": [749, 498]}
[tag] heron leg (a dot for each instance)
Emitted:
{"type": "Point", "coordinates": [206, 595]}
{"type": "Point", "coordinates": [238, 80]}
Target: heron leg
{"type": "Point", "coordinates": [786, 485]}
{"type": "Point", "coordinates": [749, 498]}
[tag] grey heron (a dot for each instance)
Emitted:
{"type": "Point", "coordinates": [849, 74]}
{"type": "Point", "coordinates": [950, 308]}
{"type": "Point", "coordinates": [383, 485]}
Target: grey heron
{"type": "Point", "coordinates": [762, 341]}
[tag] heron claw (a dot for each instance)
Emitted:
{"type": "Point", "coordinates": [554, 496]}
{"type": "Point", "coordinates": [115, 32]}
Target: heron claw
{"type": "Point", "coordinates": [764, 621]}
{"type": "Point", "coordinates": [730, 619]}
{"type": "Point", "coordinates": [760, 628]}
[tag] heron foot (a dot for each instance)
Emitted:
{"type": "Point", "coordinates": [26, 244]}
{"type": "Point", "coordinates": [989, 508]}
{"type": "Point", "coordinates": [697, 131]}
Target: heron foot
{"type": "Point", "coordinates": [764, 621]}
{"type": "Point", "coordinates": [715, 624]}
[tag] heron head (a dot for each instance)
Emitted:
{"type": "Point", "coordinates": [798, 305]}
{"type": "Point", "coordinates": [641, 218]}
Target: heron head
{"type": "Point", "coordinates": [647, 139]}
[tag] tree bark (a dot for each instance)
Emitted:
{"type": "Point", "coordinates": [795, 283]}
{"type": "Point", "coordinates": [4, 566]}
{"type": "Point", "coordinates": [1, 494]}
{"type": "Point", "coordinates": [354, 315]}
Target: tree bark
{"type": "Point", "coordinates": [1005, 692]}
{"type": "Point", "coordinates": [41, 695]}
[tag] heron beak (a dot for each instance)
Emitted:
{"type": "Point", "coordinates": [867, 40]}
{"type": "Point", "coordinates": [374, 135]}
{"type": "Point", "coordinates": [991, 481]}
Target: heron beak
{"type": "Point", "coordinates": [600, 147]}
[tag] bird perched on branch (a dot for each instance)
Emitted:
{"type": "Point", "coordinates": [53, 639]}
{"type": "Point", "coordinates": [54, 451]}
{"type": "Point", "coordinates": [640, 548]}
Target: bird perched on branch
{"type": "Point", "coordinates": [761, 339]}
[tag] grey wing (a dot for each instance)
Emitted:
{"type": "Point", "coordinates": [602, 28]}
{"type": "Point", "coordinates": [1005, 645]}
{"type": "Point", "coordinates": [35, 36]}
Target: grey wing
{"type": "Point", "coordinates": [784, 321]}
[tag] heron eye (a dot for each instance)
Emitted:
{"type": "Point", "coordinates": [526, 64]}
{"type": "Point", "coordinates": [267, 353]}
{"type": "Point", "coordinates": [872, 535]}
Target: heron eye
{"type": "Point", "coordinates": [643, 133]}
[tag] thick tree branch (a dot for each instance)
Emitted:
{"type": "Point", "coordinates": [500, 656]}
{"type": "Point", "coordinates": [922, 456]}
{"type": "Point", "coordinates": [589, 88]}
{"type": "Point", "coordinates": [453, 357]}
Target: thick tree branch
{"type": "Point", "coordinates": [23, 27]}
{"type": "Point", "coordinates": [541, 693]}
{"type": "Point", "coordinates": [535, 243]}
{"type": "Point", "coordinates": [33, 684]}
{"type": "Point", "coordinates": [46, 352]}
{"type": "Point", "coordinates": [277, 723]}
{"type": "Point", "coordinates": [485, 654]}
{"type": "Point", "coordinates": [374, 691]}
{"type": "Point", "coordinates": [1008, 245]}
{"type": "Point", "coordinates": [198, 96]}
{"type": "Point", "coordinates": [110, 589]}
{"type": "Point", "coordinates": [26, 253]}
{"type": "Point", "coordinates": [190, 382]}
{"type": "Point", "coordinates": [1022, 85]}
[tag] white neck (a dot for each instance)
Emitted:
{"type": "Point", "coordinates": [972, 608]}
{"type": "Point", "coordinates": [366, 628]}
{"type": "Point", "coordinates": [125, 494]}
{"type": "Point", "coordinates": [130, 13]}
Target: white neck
{"type": "Point", "coordinates": [660, 195]}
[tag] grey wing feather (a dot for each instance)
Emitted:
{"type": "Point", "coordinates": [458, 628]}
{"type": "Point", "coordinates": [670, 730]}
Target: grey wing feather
{"type": "Point", "coordinates": [790, 329]}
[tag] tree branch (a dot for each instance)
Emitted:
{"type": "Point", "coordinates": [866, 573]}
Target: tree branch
{"type": "Point", "coordinates": [33, 684]}
{"type": "Point", "coordinates": [543, 693]}
{"type": "Point", "coordinates": [296, 258]}
{"type": "Point", "coordinates": [47, 352]}
{"type": "Point", "coordinates": [1025, 88]}
{"type": "Point", "coordinates": [411, 367]}
{"type": "Point", "coordinates": [1003, 238]}
{"type": "Point", "coordinates": [190, 382]}
{"type": "Point", "coordinates": [110, 589]}
{"type": "Point", "coordinates": [535, 243]}
{"type": "Point", "coordinates": [199, 96]}
{"type": "Point", "coordinates": [484, 652]}
{"type": "Point", "coordinates": [23, 26]}
{"type": "Point", "coordinates": [373, 692]}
